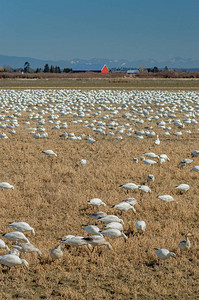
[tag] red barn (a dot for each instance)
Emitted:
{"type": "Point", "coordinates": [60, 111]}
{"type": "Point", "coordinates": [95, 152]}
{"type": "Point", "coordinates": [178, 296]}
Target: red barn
{"type": "Point", "coordinates": [104, 69]}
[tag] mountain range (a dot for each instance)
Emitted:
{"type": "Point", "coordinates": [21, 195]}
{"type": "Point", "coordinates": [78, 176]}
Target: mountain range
{"type": "Point", "coordinates": [98, 63]}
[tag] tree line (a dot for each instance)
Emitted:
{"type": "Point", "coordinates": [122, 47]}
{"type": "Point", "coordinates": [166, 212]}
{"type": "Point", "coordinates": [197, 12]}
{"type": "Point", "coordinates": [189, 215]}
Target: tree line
{"type": "Point", "coordinates": [27, 69]}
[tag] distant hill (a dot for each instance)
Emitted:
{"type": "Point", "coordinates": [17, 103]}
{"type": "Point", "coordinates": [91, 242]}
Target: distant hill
{"type": "Point", "coordinates": [98, 63]}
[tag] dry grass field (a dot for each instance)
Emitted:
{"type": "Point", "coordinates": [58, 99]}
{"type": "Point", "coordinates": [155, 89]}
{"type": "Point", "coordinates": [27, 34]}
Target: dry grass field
{"type": "Point", "coordinates": [51, 194]}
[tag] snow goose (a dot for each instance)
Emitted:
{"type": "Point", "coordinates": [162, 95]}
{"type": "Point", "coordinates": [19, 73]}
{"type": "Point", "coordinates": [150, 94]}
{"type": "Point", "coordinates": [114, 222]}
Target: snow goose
{"type": "Point", "coordinates": [11, 260]}
{"type": "Point", "coordinates": [113, 233]}
{"type": "Point", "coordinates": [186, 161]}
{"type": "Point", "coordinates": [49, 152]}
{"type": "Point", "coordinates": [157, 141]}
{"type": "Point", "coordinates": [151, 155]}
{"type": "Point", "coordinates": [129, 186]}
{"type": "Point", "coordinates": [164, 253]}
{"type": "Point", "coordinates": [3, 245]}
{"type": "Point", "coordinates": [57, 253]}
{"type": "Point", "coordinates": [140, 226]}
{"type": "Point", "coordinates": [196, 169]}
{"type": "Point", "coordinates": [131, 201]}
{"type": "Point", "coordinates": [183, 187]}
{"type": "Point", "coordinates": [75, 241]}
{"type": "Point", "coordinates": [22, 227]}
{"type": "Point", "coordinates": [114, 225]}
{"type": "Point", "coordinates": [164, 156]}
{"type": "Point", "coordinates": [92, 229]}
{"type": "Point", "coordinates": [124, 206]}
{"type": "Point", "coordinates": [185, 245]}
{"type": "Point", "coordinates": [98, 214]}
{"type": "Point", "coordinates": [166, 198]}
{"type": "Point", "coordinates": [135, 160]}
{"type": "Point", "coordinates": [83, 162]}
{"type": "Point", "coordinates": [150, 177]}
{"type": "Point", "coordinates": [96, 202]}
{"type": "Point", "coordinates": [16, 236]}
{"type": "Point", "coordinates": [145, 189]}
{"type": "Point", "coordinates": [97, 240]}
{"type": "Point", "coordinates": [195, 153]}
{"type": "Point", "coordinates": [27, 248]}
{"type": "Point", "coordinates": [149, 162]}
{"type": "Point", "coordinates": [6, 186]}
{"type": "Point", "coordinates": [110, 218]}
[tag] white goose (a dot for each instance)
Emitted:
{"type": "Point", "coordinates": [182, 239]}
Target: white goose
{"type": "Point", "coordinates": [166, 198]}
{"type": "Point", "coordinates": [130, 186]}
{"type": "Point", "coordinates": [6, 186]}
{"type": "Point", "coordinates": [22, 227]}
{"type": "Point", "coordinates": [57, 253]}
{"type": "Point", "coordinates": [27, 248]}
{"type": "Point", "coordinates": [110, 218]}
{"type": "Point", "coordinates": [124, 206]}
{"type": "Point", "coordinates": [11, 260]}
{"type": "Point", "coordinates": [114, 225]}
{"type": "Point", "coordinates": [164, 253]}
{"type": "Point", "coordinates": [140, 226]}
{"type": "Point", "coordinates": [97, 240]}
{"type": "Point", "coordinates": [157, 141]}
{"type": "Point", "coordinates": [16, 236]}
{"type": "Point", "coordinates": [96, 202]}
{"type": "Point", "coordinates": [185, 245]}
{"type": "Point", "coordinates": [183, 187]}
{"type": "Point", "coordinates": [3, 245]}
{"type": "Point", "coordinates": [92, 229]}
{"type": "Point", "coordinates": [113, 233]}
{"type": "Point", "coordinates": [49, 152]}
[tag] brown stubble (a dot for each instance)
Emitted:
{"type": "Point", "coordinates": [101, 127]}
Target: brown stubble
{"type": "Point", "coordinates": [51, 194]}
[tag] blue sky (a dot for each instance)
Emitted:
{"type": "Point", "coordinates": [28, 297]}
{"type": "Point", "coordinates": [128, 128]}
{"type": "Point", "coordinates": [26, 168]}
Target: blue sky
{"type": "Point", "coordinates": [129, 29]}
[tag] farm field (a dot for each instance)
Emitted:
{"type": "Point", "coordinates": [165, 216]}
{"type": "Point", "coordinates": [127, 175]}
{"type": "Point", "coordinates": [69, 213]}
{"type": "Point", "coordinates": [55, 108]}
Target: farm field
{"type": "Point", "coordinates": [93, 83]}
{"type": "Point", "coordinates": [51, 193]}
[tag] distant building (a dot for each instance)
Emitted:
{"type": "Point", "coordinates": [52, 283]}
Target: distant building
{"type": "Point", "coordinates": [104, 69]}
{"type": "Point", "coordinates": [134, 71]}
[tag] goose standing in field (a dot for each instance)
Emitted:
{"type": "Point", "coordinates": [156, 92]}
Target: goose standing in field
{"type": "Point", "coordinates": [140, 226]}
{"type": "Point", "coordinates": [27, 248]}
{"type": "Point", "coordinates": [49, 152]}
{"type": "Point", "coordinates": [164, 156]}
{"type": "Point", "coordinates": [113, 233]}
{"type": "Point", "coordinates": [131, 201]}
{"type": "Point", "coordinates": [3, 245]}
{"type": "Point", "coordinates": [6, 186]}
{"type": "Point", "coordinates": [145, 189]}
{"type": "Point", "coordinates": [183, 187]}
{"type": "Point", "coordinates": [114, 225]}
{"type": "Point", "coordinates": [75, 241]}
{"type": "Point", "coordinates": [150, 177]}
{"type": "Point", "coordinates": [130, 186]}
{"type": "Point", "coordinates": [195, 153]}
{"type": "Point", "coordinates": [83, 162]}
{"type": "Point", "coordinates": [149, 162]}
{"type": "Point", "coordinates": [135, 160]}
{"type": "Point", "coordinates": [96, 202]}
{"type": "Point", "coordinates": [11, 260]}
{"type": "Point", "coordinates": [92, 229]}
{"type": "Point", "coordinates": [22, 227]}
{"type": "Point", "coordinates": [196, 169]}
{"type": "Point", "coordinates": [164, 253]}
{"type": "Point", "coordinates": [151, 155]}
{"type": "Point", "coordinates": [124, 206]}
{"type": "Point", "coordinates": [15, 236]}
{"type": "Point", "coordinates": [91, 140]}
{"type": "Point", "coordinates": [185, 245]}
{"type": "Point", "coordinates": [14, 252]}
{"type": "Point", "coordinates": [157, 141]}
{"type": "Point", "coordinates": [186, 161]}
{"type": "Point", "coordinates": [97, 240]}
{"type": "Point", "coordinates": [57, 253]}
{"type": "Point", "coordinates": [98, 214]}
{"type": "Point", "coordinates": [166, 198]}
{"type": "Point", "coordinates": [110, 218]}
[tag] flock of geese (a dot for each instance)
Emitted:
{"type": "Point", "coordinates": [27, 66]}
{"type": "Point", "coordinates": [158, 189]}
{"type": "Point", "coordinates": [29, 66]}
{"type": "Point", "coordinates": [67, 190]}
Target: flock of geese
{"type": "Point", "coordinates": [113, 225]}
{"type": "Point", "coordinates": [103, 106]}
